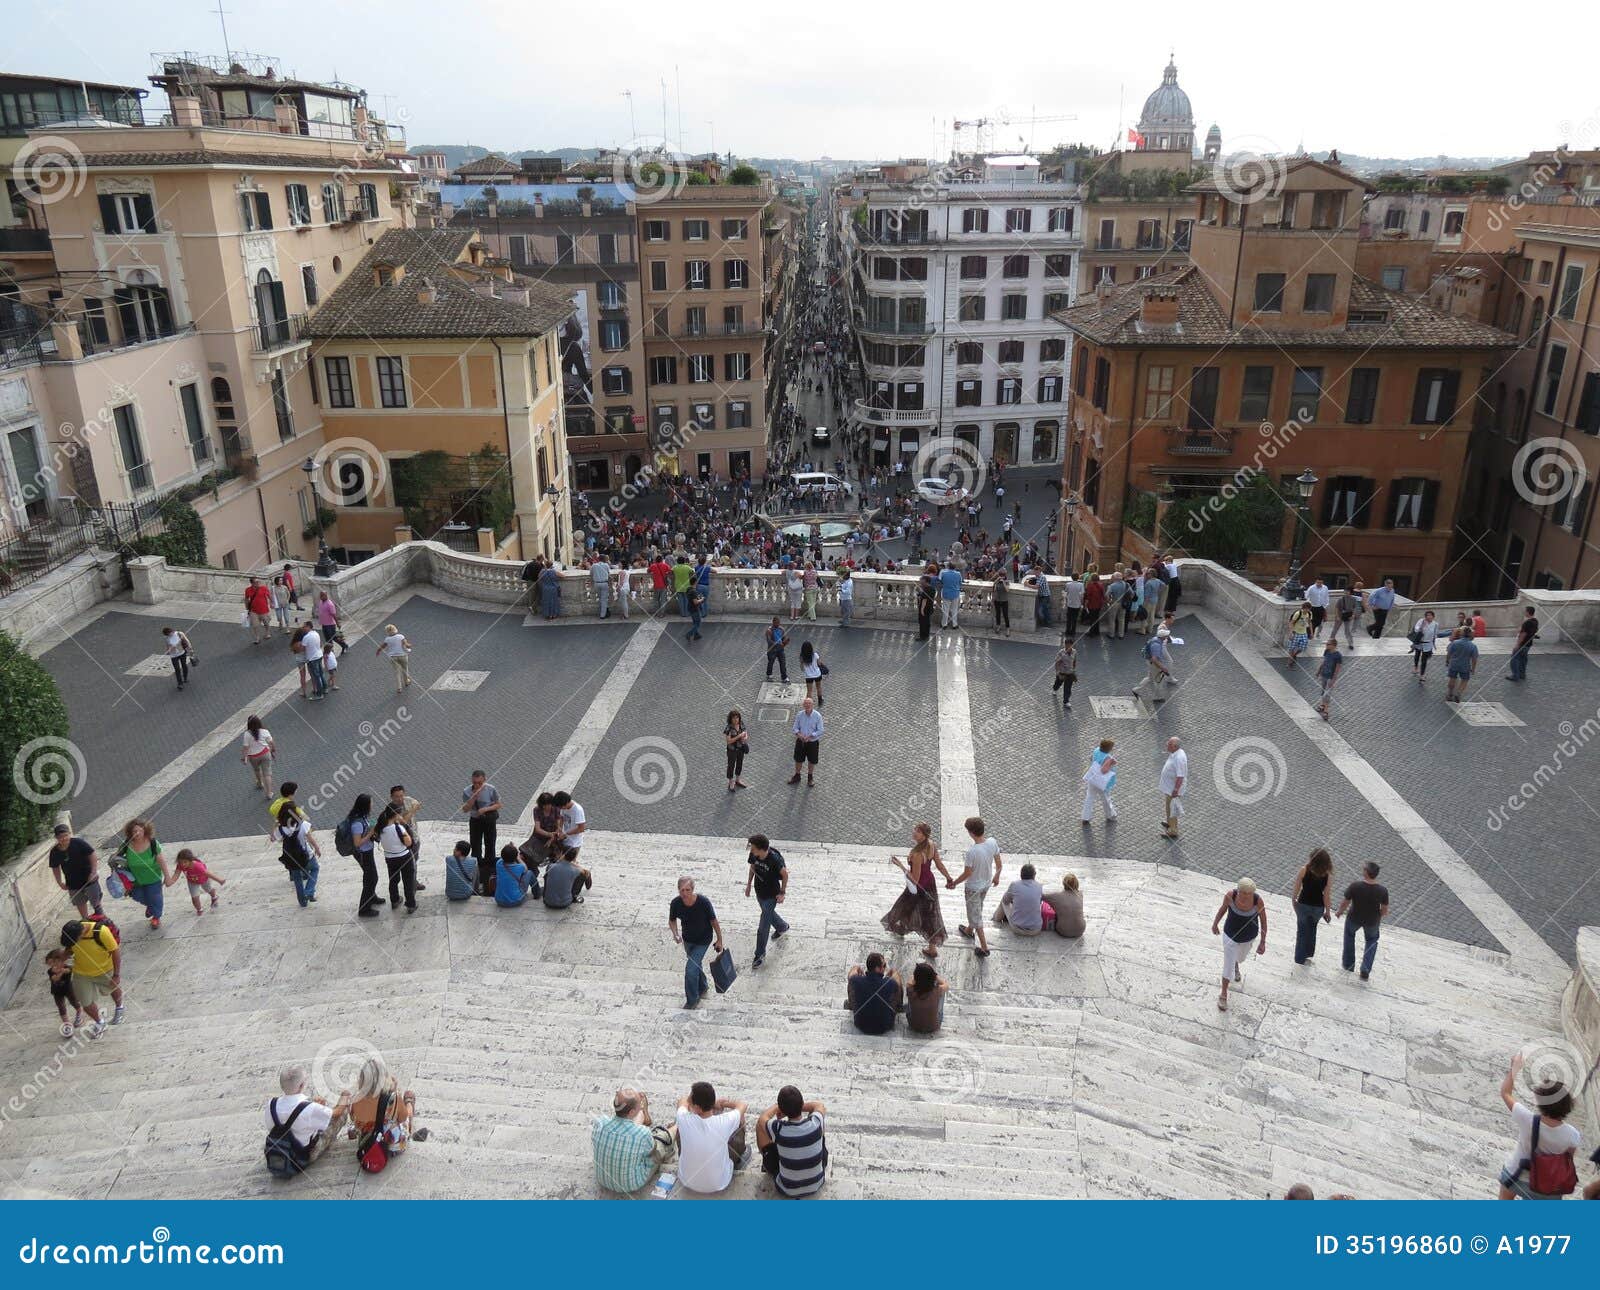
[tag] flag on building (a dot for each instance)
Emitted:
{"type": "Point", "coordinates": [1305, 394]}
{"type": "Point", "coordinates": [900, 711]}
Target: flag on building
{"type": "Point", "coordinates": [1135, 138]}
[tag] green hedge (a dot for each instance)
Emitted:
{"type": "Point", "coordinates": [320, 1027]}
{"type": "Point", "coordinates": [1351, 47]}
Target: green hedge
{"type": "Point", "coordinates": [182, 539]}
{"type": "Point", "coordinates": [32, 710]}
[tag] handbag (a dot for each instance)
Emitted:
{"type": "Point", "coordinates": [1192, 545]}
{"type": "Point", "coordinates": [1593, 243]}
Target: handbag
{"type": "Point", "coordinates": [723, 972]}
{"type": "Point", "coordinates": [823, 668]}
{"type": "Point", "coordinates": [1549, 1175]}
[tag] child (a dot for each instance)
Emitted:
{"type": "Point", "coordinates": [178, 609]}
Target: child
{"type": "Point", "coordinates": [330, 661]}
{"type": "Point", "coordinates": [58, 963]}
{"type": "Point", "coordinates": [191, 867]}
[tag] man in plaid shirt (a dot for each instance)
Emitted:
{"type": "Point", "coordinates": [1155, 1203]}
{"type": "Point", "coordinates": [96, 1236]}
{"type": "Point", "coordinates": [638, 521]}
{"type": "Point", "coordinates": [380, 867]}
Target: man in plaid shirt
{"type": "Point", "coordinates": [625, 1143]}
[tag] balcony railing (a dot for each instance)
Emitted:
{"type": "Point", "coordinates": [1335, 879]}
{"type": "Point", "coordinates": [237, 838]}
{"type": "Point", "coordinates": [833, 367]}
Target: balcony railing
{"type": "Point", "coordinates": [899, 237]}
{"type": "Point", "coordinates": [1199, 443]}
{"type": "Point", "coordinates": [24, 241]}
{"type": "Point", "coordinates": [716, 331]}
{"type": "Point", "coordinates": [1146, 244]}
{"type": "Point", "coordinates": [869, 327]}
{"type": "Point", "coordinates": [127, 112]}
{"type": "Point", "coordinates": [279, 333]}
{"type": "Point", "coordinates": [892, 416]}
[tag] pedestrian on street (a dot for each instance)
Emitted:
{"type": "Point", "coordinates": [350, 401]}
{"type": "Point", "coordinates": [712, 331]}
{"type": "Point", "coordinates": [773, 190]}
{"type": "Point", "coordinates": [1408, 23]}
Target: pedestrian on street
{"type": "Point", "coordinates": [1460, 664]}
{"type": "Point", "coordinates": [810, 585]}
{"type": "Point", "coordinates": [1328, 669]}
{"type": "Point", "coordinates": [180, 653]}
{"type": "Point", "coordinates": [1365, 906]}
{"type": "Point", "coordinates": [399, 858]}
{"type": "Point", "coordinates": [1312, 894]}
{"type": "Point", "coordinates": [1094, 602]}
{"type": "Point", "coordinates": [360, 836]}
{"type": "Point", "coordinates": [1074, 598]}
{"type": "Point", "coordinates": [807, 741]}
{"type": "Point", "coordinates": [300, 853]}
{"type": "Point", "coordinates": [327, 615]}
{"type": "Point", "coordinates": [1541, 1165]}
{"type": "Point", "coordinates": [1002, 604]}
{"type": "Point", "coordinates": [1380, 602]}
{"type": "Point", "coordinates": [280, 603]}
{"type": "Point", "coordinates": [1527, 633]}
{"type": "Point", "coordinates": [1174, 779]}
{"type": "Point", "coordinates": [693, 923]}
{"type": "Point", "coordinates": [1155, 589]}
{"type": "Point", "coordinates": [258, 611]}
{"type": "Point", "coordinates": [1424, 632]}
{"type": "Point", "coordinates": [660, 573]}
{"type": "Point", "coordinates": [600, 574]}
{"type": "Point", "coordinates": [1317, 596]}
{"type": "Point", "coordinates": [1299, 632]}
{"type": "Point", "coordinates": [1041, 600]}
{"type": "Point", "coordinates": [1098, 781]}
{"type": "Point", "coordinates": [397, 649]}
{"type": "Point", "coordinates": [795, 585]}
{"type": "Point", "coordinates": [1352, 605]}
{"type": "Point", "coordinates": [950, 595]}
{"type": "Point", "coordinates": [1158, 665]}
{"type": "Point", "coordinates": [549, 593]}
{"type": "Point", "coordinates": [769, 876]}
{"type": "Point", "coordinates": [813, 669]}
{"type": "Point", "coordinates": [1066, 672]}
{"type": "Point", "coordinates": [1174, 577]}
{"type": "Point", "coordinates": [258, 753]}
{"type": "Point", "coordinates": [737, 740]}
{"type": "Point", "coordinates": [1117, 597]}
{"type": "Point", "coordinates": [917, 907]}
{"type": "Point", "coordinates": [776, 641]}
{"type": "Point", "coordinates": [847, 595]}
{"type": "Point", "coordinates": [1241, 921]}
{"type": "Point", "coordinates": [696, 597]}
{"type": "Point", "coordinates": [480, 803]}
{"type": "Point", "coordinates": [76, 869]}
{"type": "Point", "coordinates": [927, 597]}
{"type": "Point", "coordinates": [979, 873]}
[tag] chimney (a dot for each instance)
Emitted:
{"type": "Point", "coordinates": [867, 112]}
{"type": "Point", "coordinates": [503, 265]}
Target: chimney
{"type": "Point", "coordinates": [284, 118]}
{"type": "Point", "coordinates": [427, 293]}
{"type": "Point", "coordinates": [185, 111]}
{"type": "Point", "coordinates": [485, 287]}
{"type": "Point", "coordinates": [493, 201]}
{"type": "Point", "coordinates": [1159, 307]}
{"type": "Point", "coordinates": [515, 296]}
{"type": "Point", "coordinates": [1103, 290]}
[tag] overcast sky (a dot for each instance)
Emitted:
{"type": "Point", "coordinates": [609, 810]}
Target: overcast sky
{"type": "Point", "coordinates": [854, 79]}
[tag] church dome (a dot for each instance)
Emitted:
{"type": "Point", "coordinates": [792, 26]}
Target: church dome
{"type": "Point", "coordinates": [1214, 135]}
{"type": "Point", "coordinates": [1167, 110]}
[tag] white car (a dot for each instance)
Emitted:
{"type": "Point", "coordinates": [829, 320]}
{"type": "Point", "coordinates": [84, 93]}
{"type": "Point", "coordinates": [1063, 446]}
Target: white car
{"type": "Point", "coordinates": [940, 492]}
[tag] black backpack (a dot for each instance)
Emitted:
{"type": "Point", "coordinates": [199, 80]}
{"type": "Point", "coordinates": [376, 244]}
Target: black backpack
{"type": "Point", "coordinates": [286, 1157]}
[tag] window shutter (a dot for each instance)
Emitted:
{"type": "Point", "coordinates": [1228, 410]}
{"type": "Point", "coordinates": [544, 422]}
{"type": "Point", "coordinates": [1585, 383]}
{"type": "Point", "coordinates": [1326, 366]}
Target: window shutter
{"type": "Point", "coordinates": [279, 309]}
{"type": "Point", "coordinates": [1397, 490]}
{"type": "Point", "coordinates": [1447, 396]}
{"type": "Point", "coordinates": [127, 316]}
{"type": "Point", "coordinates": [163, 308]}
{"type": "Point", "coordinates": [1580, 508]}
{"type": "Point", "coordinates": [1364, 491]}
{"type": "Point", "coordinates": [1589, 405]}
{"type": "Point", "coordinates": [1419, 400]}
{"type": "Point", "coordinates": [1430, 500]}
{"type": "Point", "coordinates": [108, 213]}
{"type": "Point", "coordinates": [1330, 499]}
{"type": "Point", "coordinates": [145, 208]}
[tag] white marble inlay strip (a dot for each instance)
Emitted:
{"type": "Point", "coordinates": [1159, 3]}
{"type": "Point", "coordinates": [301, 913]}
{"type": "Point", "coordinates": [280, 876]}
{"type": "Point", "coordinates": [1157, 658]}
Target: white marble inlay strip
{"type": "Point", "coordinates": [958, 771]}
{"type": "Point", "coordinates": [1487, 714]}
{"type": "Point", "coordinates": [463, 680]}
{"type": "Point", "coordinates": [574, 757]}
{"type": "Point", "coordinates": [1525, 945]}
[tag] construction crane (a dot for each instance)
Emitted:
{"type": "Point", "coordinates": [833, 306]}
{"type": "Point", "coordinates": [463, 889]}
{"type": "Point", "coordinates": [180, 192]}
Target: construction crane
{"type": "Point", "coordinates": [983, 129]}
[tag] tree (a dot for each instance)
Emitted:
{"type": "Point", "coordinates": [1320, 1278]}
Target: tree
{"type": "Point", "coordinates": [696, 178]}
{"type": "Point", "coordinates": [1228, 525]}
{"type": "Point", "coordinates": [32, 711]}
{"type": "Point", "coordinates": [743, 174]}
{"type": "Point", "coordinates": [182, 540]}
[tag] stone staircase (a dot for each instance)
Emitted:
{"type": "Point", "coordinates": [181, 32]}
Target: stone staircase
{"type": "Point", "coordinates": [1092, 1068]}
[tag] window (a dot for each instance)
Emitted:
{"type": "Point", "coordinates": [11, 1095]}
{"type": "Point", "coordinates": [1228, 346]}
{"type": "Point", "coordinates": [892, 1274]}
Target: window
{"type": "Point", "coordinates": [230, 560]}
{"type": "Point", "coordinates": [95, 322]}
{"type": "Point", "coordinates": [1305, 394]}
{"type": "Point", "coordinates": [1362, 402]}
{"type": "Point", "coordinates": [1080, 371]}
{"type": "Point", "coordinates": [884, 269]}
{"type": "Point", "coordinates": [1411, 503]}
{"type": "Point", "coordinates": [341, 391]}
{"type": "Point", "coordinates": [367, 200]}
{"type": "Point", "coordinates": [1049, 389]}
{"type": "Point", "coordinates": [969, 394]}
{"type": "Point", "coordinates": [616, 380]}
{"type": "Point", "coordinates": [1269, 293]}
{"type": "Point", "coordinates": [1569, 513]}
{"type": "Point", "coordinates": [1571, 289]}
{"type": "Point", "coordinates": [1182, 231]}
{"type": "Point", "coordinates": [127, 213]}
{"type": "Point", "coordinates": [618, 420]}
{"type": "Point", "coordinates": [657, 230]}
{"type": "Point", "coordinates": [298, 201]}
{"type": "Point", "coordinates": [702, 368]}
{"type": "Point", "coordinates": [736, 367]}
{"type": "Point", "coordinates": [611, 295]}
{"type": "Point", "coordinates": [1546, 269]}
{"type": "Point", "coordinates": [704, 415]}
{"type": "Point", "coordinates": [696, 230]}
{"type": "Point", "coordinates": [1102, 382]}
{"type": "Point", "coordinates": [1013, 308]}
{"type": "Point", "coordinates": [969, 353]}
{"type": "Point", "coordinates": [144, 313]}
{"type": "Point", "coordinates": [613, 334]}
{"type": "Point", "coordinates": [308, 283]}
{"type": "Point", "coordinates": [974, 266]}
{"type": "Point", "coordinates": [694, 320]}
{"type": "Point", "coordinates": [735, 275]}
{"type": "Point", "coordinates": [391, 382]}
{"type": "Point", "coordinates": [1255, 394]}
{"type": "Point", "coordinates": [1091, 484]}
{"type": "Point", "coordinates": [1015, 266]}
{"type": "Point", "coordinates": [194, 424]}
{"type": "Point", "coordinates": [664, 370]}
{"type": "Point", "coordinates": [1058, 266]}
{"type": "Point", "coordinates": [1453, 220]}
{"type": "Point", "coordinates": [1536, 321]}
{"type": "Point", "coordinates": [1589, 405]}
{"type": "Point", "coordinates": [1019, 219]}
{"type": "Point", "coordinates": [607, 245]}
{"type": "Point", "coordinates": [974, 221]}
{"type": "Point", "coordinates": [1011, 351]}
{"type": "Point", "coordinates": [566, 249]}
{"type": "Point", "coordinates": [1060, 222]}
{"type": "Point", "coordinates": [1053, 350]}
{"type": "Point", "coordinates": [1319, 293]}
{"type": "Point", "coordinates": [697, 275]}
{"type": "Point", "coordinates": [1108, 235]}
{"type": "Point", "coordinates": [1008, 390]}
{"type": "Point", "coordinates": [735, 230]}
{"type": "Point", "coordinates": [256, 209]}
{"type": "Point", "coordinates": [658, 275]}
{"type": "Point", "coordinates": [1393, 277]}
{"type": "Point", "coordinates": [738, 415]}
{"type": "Point", "coordinates": [1346, 501]}
{"type": "Point", "coordinates": [971, 309]}
{"type": "Point", "coordinates": [909, 396]}
{"type": "Point", "coordinates": [914, 268]}
{"type": "Point", "coordinates": [1055, 301]}
{"type": "Point", "coordinates": [133, 459]}
{"type": "Point", "coordinates": [1553, 367]}
{"type": "Point", "coordinates": [280, 406]}
{"type": "Point", "coordinates": [660, 322]}
{"type": "Point", "coordinates": [1202, 398]}
{"type": "Point", "coordinates": [1394, 217]}
{"type": "Point", "coordinates": [1106, 273]}
{"type": "Point", "coordinates": [1423, 220]}
{"type": "Point", "coordinates": [227, 419]}
{"type": "Point", "coordinates": [1158, 393]}
{"type": "Point", "coordinates": [1044, 440]}
{"type": "Point", "coordinates": [333, 203]}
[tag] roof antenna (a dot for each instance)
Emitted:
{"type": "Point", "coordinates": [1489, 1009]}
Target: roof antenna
{"type": "Point", "coordinates": [222, 17]}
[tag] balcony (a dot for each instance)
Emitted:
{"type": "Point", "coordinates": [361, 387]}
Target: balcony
{"type": "Point", "coordinates": [898, 237]}
{"type": "Point", "coordinates": [279, 333]}
{"type": "Point", "coordinates": [24, 241]}
{"type": "Point", "coordinates": [1199, 443]}
{"type": "Point", "coordinates": [867, 327]}
{"type": "Point", "coordinates": [718, 331]}
{"type": "Point", "coordinates": [893, 416]}
{"type": "Point", "coordinates": [1142, 245]}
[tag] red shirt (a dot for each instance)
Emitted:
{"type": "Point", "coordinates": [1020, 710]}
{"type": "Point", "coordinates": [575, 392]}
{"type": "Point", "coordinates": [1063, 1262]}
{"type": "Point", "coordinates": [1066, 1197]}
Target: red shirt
{"type": "Point", "coordinates": [258, 600]}
{"type": "Point", "coordinates": [658, 574]}
{"type": "Point", "coordinates": [1094, 594]}
{"type": "Point", "coordinates": [1480, 629]}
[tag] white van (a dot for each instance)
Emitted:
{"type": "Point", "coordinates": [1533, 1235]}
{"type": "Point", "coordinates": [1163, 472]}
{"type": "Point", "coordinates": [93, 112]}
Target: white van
{"type": "Point", "coordinates": [819, 483]}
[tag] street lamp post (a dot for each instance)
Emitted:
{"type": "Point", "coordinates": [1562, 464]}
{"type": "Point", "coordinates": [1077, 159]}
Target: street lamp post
{"type": "Point", "coordinates": [1304, 486]}
{"type": "Point", "coordinates": [1069, 508]}
{"type": "Point", "coordinates": [325, 567]}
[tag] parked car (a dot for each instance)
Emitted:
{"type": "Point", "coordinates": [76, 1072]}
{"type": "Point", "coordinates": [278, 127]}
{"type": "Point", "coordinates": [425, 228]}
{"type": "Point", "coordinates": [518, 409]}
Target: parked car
{"type": "Point", "coordinates": [820, 483]}
{"type": "Point", "coordinates": [820, 435]}
{"type": "Point", "coordinates": [941, 492]}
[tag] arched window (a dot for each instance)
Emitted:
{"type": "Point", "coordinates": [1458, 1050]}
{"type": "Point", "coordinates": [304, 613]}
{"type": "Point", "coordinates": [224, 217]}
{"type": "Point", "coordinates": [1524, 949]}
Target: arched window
{"type": "Point", "coordinates": [227, 419]}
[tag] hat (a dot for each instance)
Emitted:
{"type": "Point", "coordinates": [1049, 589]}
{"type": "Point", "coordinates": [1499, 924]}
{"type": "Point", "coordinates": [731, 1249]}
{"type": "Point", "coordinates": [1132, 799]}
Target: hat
{"type": "Point", "coordinates": [1163, 632]}
{"type": "Point", "coordinates": [63, 827]}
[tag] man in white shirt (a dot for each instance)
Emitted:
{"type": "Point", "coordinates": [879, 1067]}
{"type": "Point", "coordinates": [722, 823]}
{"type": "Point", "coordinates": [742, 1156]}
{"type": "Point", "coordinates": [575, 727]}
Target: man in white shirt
{"type": "Point", "coordinates": [574, 824]}
{"type": "Point", "coordinates": [1317, 599]}
{"type": "Point", "coordinates": [1174, 778]}
{"type": "Point", "coordinates": [600, 571]}
{"type": "Point", "coordinates": [624, 585]}
{"type": "Point", "coordinates": [710, 1139]}
{"type": "Point", "coordinates": [318, 1125]}
{"type": "Point", "coordinates": [311, 646]}
{"type": "Point", "coordinates": [1074, 599]}
{"type": "Point", "coordinates": [982, 871]}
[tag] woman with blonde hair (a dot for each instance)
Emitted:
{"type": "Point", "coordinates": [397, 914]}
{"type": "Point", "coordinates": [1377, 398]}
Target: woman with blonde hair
{"type": "Point", "coordinates": [139, 857]}
{"type": "Point", "coordinates": [1068, 906]}
{"type": "Point", "coordinates": [1241, 921]}
{"type": "Point", "coordinates": [917, 908]}
{"type": "Point", "coordinates": [377, 1091]}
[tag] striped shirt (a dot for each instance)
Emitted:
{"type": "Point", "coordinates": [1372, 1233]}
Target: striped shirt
{"type": "Point", "coordinates": [623, 1156]}
{"type": "Point", "coordinates": [802, 1154]}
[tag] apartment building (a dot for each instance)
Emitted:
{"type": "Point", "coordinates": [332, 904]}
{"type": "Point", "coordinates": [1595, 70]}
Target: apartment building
{"type": "Point", "coordinates": [1267, 356]}
{"type": "Point", "coordinates": [1536, 453]}
{"type": "Point", "coordinates": [704, 280]}
{"type": "Point", "coordinates": [429, 348]}
{"type": "Point", "coordinates": [952, 281]}
{"type": "Point", "coordinates": [1138, 216]}
{"type": "Point", "coordinates": [583, 239]}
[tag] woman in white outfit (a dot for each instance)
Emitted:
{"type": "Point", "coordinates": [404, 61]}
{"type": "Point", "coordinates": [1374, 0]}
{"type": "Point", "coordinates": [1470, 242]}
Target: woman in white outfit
{"type": "Point", "coordinates": [1098, 781]}
{"type": "Point", "coordinates": [1423, 634]}
{"type": "Point", "coordinates": [1241, 921]}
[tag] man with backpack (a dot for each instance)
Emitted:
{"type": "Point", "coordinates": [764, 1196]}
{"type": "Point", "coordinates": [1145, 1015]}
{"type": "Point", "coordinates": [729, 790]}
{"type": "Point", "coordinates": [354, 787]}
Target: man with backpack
{"type": "Point", "coordinates": [96, 968]}
{"type": "Point", "coordinates": [300, 1128]}
{"type": "Point", "coordinates": [1158, 665]}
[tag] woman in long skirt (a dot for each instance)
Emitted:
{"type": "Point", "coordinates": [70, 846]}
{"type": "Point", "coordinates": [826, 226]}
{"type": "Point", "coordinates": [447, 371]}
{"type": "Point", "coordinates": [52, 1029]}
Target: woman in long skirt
{"type": "Point", "coordinates": [917, 909]}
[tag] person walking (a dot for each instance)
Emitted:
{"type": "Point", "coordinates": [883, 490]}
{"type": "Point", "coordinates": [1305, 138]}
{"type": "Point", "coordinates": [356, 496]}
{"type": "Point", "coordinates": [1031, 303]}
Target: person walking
{"type": "Point", "coordinates": [776, 641]}
{"type": "Point", "coordinates": [1074, 601]}
{"type": "Point", "coordinates": [397, 649]}
{"type": "Point", "coordinates": [1241, 921]}
{"type": "Point", "coordinates": [1174, 779]}
{"type": "Point", "coordinates": [1098, 781]}
{"type": "Point", "coordinates": [480, 803]}
{"type": "Point", "coordinates": [950, 595]}
{"type": "Point", "coordinates": [1352, 606]}
{"type": "Point", "coordinates": [813, 669]}
{"type": "Point", "coordinates": [280, 602]}
{"type": "Point", "coordinates": [75, 867]}
{"type": "Point", "coordinates": [258, 611]}
{"type": "Point", "coordinates": [327, 615]}
{"type": "Point", "coordinates": [693, 923]}
{"type": "Point", "coordinates": [916, 909]}
{"type": "Point", "coordinates": [399, 858]}
{"type": "Point", "coordinates": [1155, 589]}
{"type": "Point", "coordinates": [258, 753]}
{"type": "Point", "coordinates": [847, 595]}
{"type": "Point", "coordinates": [141, 857]}
{"type": "Point", "coordinates": [1541, 1164]}
{"type": "Point", "coordinates": [1527, 633]}
{"type": "Point", "coordinates": [1365, 906]}
{"type": "Point", "coordinates": [1460, 664]}
{"type": "Point", "coordinates": [807, 741]}
{"type": "Point", "coordinates": [600, 575]}
{"type": "Point", "coordinates": [1328, 669]}
{"type": "Point", "coordinates": [769, 877]}
{"type": "Point", "coordinates": [313, 651]}
{"type": "Point", "coordinates": [979, 873]}
{"type": "Point", "coordinates": [1158, 665]}
{"type": "Point", "coordinates": [1002, 604]}
{"type": "Point", "coordinates": [695, 597]}
{"type": "Point", "coordinates": [660, 573]}
{"type": "Point", "coordinates": [1066, 672]}
{"type": "Point", "coordinates": [1424, 632]}
{"type": "Point", "coordinates": [179, 652]}
{"type": "Point", "coordinates": [1299, 633]}
{"type": "Point", "coordinates": [1317, 596]}
{"type": "Point", "coordinates": [300, 853]}
{"type": "Point", "coordinates": [1380, 602]}
{"type": "Point", "coordinates": [737, 739]}
{"type": "Point", "coordinates": [357, 832]}
{"type": "Point", "coordinates": [1311, 893]}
